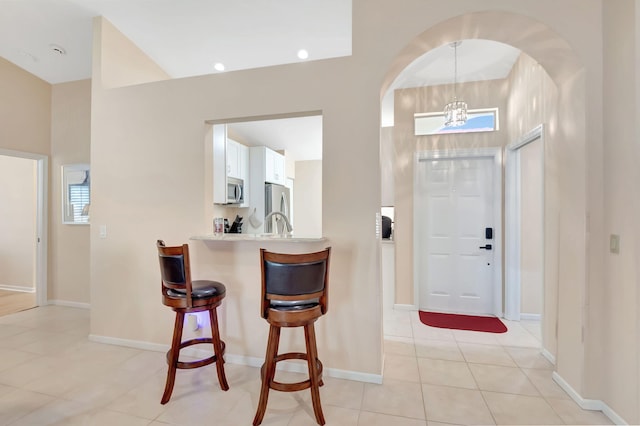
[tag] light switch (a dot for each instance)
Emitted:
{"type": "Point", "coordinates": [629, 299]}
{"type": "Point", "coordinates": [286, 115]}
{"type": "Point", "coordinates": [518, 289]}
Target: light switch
{"type": "Point", "coordinates": [103, 231]}
{"type": "Point", "coordinates": [614, 243]}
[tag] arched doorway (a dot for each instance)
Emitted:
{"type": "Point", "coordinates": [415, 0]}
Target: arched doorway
{"type": "Point", "coordinates": [565, 187]}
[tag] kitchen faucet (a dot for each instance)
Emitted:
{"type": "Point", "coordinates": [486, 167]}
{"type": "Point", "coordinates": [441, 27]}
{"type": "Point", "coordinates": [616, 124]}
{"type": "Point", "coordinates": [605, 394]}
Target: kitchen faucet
{"type": "Point", "coordinates": [287, 224]}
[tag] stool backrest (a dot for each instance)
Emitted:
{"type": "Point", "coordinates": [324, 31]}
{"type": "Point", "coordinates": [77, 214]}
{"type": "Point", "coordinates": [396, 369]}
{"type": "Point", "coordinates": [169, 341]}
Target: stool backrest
{"type": "Point", "coordinates": [294, 278]}
{"type": "Point", "coordinates": [175, 270]}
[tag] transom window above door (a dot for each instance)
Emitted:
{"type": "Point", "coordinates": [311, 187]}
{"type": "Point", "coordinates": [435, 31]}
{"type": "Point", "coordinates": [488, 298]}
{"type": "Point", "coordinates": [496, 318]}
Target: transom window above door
{"type": "Point", "coordinates": [478, 120]}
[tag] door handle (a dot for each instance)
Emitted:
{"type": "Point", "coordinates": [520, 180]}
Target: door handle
{"type": "Point", "coordinates": [487, 247]}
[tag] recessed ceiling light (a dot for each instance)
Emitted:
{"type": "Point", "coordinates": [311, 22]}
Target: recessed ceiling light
{"type": "Point", "coordinates": [218, 66]}
{"type": "Point", "coordinates": [56, 48]}
{"type": "Point", "coordinates": [303, 54]}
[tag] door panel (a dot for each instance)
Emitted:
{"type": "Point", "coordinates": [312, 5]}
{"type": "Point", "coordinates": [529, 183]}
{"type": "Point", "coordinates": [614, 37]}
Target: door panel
{"type": "Point", "coordinates": [454, 205]}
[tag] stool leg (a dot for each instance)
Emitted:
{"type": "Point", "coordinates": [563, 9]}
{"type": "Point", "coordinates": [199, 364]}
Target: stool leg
{"type": "Point", "coordinates": [172, 357]}
{"type": "Point", "coordinates": [269, 372]}
{"type": "Point", "coordinates": [312, 357]}
{"type": "Point", "coordinates": [217, 349]}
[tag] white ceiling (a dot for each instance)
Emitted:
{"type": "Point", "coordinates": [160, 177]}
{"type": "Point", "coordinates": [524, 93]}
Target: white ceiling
{"type": "Point", "coordinates": [187, 37]}
{"type": "Point", "coordinates": [184, 37]}
{"type": "Point", "coordinates": [478, 60]}
{"type": "Point", "coordinates": [300, 137]}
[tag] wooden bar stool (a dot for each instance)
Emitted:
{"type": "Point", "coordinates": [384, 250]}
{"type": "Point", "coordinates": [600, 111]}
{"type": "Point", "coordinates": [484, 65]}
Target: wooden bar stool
{"type": "Point", "coordinates": [294, 294]}
{"type": "Point", "coordinates": [186, 296]}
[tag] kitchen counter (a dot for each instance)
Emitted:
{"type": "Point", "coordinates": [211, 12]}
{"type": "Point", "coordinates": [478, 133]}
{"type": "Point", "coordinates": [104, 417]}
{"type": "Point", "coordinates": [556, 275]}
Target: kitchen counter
{"type": "Point", "coordinates": [257, 237]}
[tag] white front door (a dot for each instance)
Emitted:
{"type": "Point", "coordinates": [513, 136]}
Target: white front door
{"type": "Point", "coordinates": [456, 234]}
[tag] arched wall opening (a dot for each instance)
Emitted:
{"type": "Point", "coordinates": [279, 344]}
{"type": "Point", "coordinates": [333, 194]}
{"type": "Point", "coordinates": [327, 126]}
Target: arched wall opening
{"type": "Point", "coordinates": [565, 199]}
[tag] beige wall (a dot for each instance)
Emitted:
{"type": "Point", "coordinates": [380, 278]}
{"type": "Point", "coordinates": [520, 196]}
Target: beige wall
{"type": "Point", "coordinates": [387, 162]}
{"type": "Point", "coordinates": [532, 226]}
{"type": "Point", "coordinates": [70, 144]}
{"type": "Point", "coordinates": [18, 224]}
{"type": "Point", "coordinates": [533, 100]}
{"type": "Point", "coordinates": [124, 63]}
{"type": "Point", "coordinates": [575, 67]}
{"type": "Point", "coordinates": [25, 111]}
{"type": "Point", "coordinates": [307, 199]}
{"type": "Point", "coordinates": [25, 121]}
{"type": "Point", "coordinates": [164, 145]}
{"type": "Point", "coordinates": [637, 155]}
{"type": "Point", "coordinates": [614, 300]}
{"type": "Point", "coordinates": [162, 137]}
{"type": "Point", "coordinates": [54, 121]}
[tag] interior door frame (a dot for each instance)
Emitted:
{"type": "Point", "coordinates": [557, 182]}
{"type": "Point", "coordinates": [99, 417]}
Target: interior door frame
{"type": "Point", "coordinates": [494, 153]}
{"type": "Point", "coordinates": [513, 216]}
{"type": "Point", "coordinates": [42, 184]}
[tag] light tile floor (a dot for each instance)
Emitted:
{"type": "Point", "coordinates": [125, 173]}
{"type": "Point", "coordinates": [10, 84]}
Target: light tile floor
{"type": "Point", "coordinates": [51, 374]}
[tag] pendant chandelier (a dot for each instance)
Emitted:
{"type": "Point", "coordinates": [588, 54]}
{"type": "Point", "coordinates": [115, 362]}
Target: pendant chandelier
{"type": "Point", "coordinates": [455, 112]}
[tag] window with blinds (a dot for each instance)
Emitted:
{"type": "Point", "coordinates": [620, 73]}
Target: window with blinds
{"type": "Point", "coordinates": [76, 194]}
{"type": "Point", "coordinates": [79, 197]}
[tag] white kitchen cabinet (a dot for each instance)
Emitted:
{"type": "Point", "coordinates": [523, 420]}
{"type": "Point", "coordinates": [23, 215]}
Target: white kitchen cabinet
{"type": "Point", "coordinates": [244, 169]}
{"type": "Point", "coordinates": [230, 160]}
{"type": "Point", "coordinates": [274, 167]}
{"type": "Point", "coordinates": [237, 160]}
{"type": "Point", "coordinates": [233, 159]}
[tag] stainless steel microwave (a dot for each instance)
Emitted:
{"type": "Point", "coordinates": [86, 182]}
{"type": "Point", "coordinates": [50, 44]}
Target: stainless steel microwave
{"type": "Point", "coordinates": [235, 191]}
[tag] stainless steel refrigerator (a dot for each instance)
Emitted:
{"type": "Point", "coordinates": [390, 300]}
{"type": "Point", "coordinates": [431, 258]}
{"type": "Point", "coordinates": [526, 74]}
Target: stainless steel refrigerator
{"type": "Point", "coordinates": [276, 199]}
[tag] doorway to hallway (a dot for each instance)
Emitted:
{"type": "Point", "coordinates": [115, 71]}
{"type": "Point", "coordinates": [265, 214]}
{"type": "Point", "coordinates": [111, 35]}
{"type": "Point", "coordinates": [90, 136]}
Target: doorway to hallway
{"type": "Point", "coordinates": [22, 231]}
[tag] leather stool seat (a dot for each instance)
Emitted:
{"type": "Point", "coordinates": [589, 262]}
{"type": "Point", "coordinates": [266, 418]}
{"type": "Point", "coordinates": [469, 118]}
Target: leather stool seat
{"type": "Point", "coordinates": [294, 294]}
{"type": "Point", "coordinates": [200, 289]}
{"type": "Point", "coordinates": [185, 296]}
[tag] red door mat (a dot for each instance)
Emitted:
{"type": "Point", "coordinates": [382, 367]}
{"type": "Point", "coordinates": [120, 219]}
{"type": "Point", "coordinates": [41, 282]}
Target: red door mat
{"type": "Point", "coordinates": [462, 322]}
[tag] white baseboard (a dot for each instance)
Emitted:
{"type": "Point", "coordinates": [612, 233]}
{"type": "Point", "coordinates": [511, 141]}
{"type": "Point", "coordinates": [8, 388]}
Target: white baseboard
{"type": "Point", "coordinates": [295, 367]}
{"type": "Point", "coordinates": [588, 404]}
{"type": "Point", "coordinates": [549, 356]}
{"type": "Point", "coordinates": [70, 304]}
{"type": "Point", "coordinates": [19, 288]}
{"type": "Point", "coordinates": [530, 317]}
{"type": "Point", "coordinates": [136, 344]}
{"type": "Point", "coordinates": [613, 416]}
{"type": "Point", "coordinates": [403, 307]}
